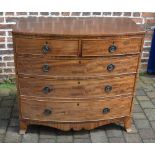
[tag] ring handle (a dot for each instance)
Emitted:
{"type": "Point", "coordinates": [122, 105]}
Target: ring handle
{"type": "Point", "coordinates": [108, 88]}
{"type": "Point", "coordinates": [106, 110]}
{"type": "Point", "coordinates": [45, 48]}
{"type": "Point", "coordinates": [45, 68]}
{"type": "Point", "coordinates": [47, 112]}
{"type": "Point", "coordinates": [112, 48]}
{"type": "Point", "coordinates": [110, 67]}
{"type": "Point", "coordinates": [47, 90]}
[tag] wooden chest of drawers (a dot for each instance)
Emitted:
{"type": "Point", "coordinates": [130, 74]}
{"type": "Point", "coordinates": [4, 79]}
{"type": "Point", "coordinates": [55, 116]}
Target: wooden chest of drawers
{"type": "Point", "coordinates": [75, 73]}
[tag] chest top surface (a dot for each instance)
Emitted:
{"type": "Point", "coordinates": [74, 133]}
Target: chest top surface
{"type": "Point", "coordinates": [77, 26]}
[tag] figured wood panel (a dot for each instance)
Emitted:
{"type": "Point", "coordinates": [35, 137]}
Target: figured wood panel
{"type": "Point", "coordinates": [90, 88]}
{"type": "Point", "coordinates": [56, 47]}
{"type": "Point", "coordinates": [74, 110]}
{"type": "Point", "coordinates": [101, 47]}
{"type": "Point", "coordinates": [77, 67]}
{"type": "Point", "coordinates": [73, 26]}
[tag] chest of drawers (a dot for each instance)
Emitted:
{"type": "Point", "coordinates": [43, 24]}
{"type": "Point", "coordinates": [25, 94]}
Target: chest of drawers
{"type": "Point", "coordinates": [76, 73]}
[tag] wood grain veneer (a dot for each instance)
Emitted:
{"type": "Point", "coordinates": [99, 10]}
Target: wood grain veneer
{"type": "Point", "coordinates": [76, 73]}
{"type": "Point", "coordinates": [89, 88]}
{"type": "Point", "coordinates": [75, 110]}
{"type": "Point", "coordinates": [90, 67]}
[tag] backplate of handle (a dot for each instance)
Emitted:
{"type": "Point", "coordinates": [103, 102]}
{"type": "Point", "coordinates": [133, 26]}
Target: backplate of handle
{"type": "Point", "coordinates": [110, 67]}
{"type": "Point", "coordinates": [106, 110]}
{"type": "Point", "coordinates": [112, 48]}
{"type": "Point", "coordinates": [45, 68]}
{"type": "Point", "coordinates": [45, 48]}
{"type": "Point", "coordinates": [47, 89]}
{"type": "Point", "coordinates": [47, 112]}
{"type": "Point", "coordinates": [108, 88]}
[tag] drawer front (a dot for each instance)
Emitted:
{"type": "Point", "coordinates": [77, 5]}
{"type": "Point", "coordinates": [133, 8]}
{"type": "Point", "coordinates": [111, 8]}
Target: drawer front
{"type": "Point", "coordinates": [74, 68]}
{"type": "Point", "coordinates": [108, 47]}
{"type": "Point", "coordinates": [90, 88]}
{"type": "Point", "coordinates": [47, 47]}
{"type": "Point", "coordinates": [72, 111]}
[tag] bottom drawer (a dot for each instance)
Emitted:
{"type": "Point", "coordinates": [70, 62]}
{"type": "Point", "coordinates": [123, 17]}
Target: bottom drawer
{"type": "Point", "coordinates": [75, 110]}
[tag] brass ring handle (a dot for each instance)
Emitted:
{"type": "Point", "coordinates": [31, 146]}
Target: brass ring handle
{"type": "Point", "coordinates": [47, 112]}
{"type": "Point", "coordinates": [112, 48]}
{"type": "Point", "coordinates": [47, 90]}
{"type": "Point", "coordinates": [108, 88]}
{"type": "Point", "coordinates": [45, 48]}
{"type": "Point", "coordinates": [106, 110]}
{"type": "Point", "coordinates": [45, 68]}
{"type": "Point", "coordinates": [110, 67]}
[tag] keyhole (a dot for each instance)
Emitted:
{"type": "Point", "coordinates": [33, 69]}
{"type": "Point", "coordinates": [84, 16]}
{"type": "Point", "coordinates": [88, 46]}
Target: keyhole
{"type": "Point", "coordinates": [77, 104]}
{"type": "Point", "coordinates": [78, 82]}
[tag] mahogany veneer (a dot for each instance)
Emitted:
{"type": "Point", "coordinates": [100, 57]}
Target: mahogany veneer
{"type": "Point", "coordinates": [75, 73]}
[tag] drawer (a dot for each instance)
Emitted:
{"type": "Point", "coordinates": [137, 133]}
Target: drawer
{"type": "Point", "coordinates": [108, 47]}
{"type": "Point", "coordinates": [75, 110]}
{"type": "Point", "coordinates": [77, 67]}
{"type": "Point", "coordinates": [47, 47]}
{"type": "Point", "coordinates": [90, 88]}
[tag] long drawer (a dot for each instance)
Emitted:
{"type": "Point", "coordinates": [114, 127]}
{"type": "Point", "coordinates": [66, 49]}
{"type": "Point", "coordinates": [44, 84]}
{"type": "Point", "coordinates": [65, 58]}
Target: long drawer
{"type": "Point", "coordinates": [47, 47]}
{"type": "Point", "coordinates": [90, 88]}
{"type": "Point", "coordinates": [109, 47]}
{"type": "Point", "coordinates": [73, 110]}
{"type": "Point", "coordinates": [77, 67]}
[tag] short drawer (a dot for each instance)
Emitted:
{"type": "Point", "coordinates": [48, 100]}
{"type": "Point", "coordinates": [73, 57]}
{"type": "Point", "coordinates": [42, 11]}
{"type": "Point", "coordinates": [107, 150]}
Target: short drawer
{"type": "Point", "coordinates": [78, 67]}
{"type": "Point", "coordinates": [47, 47]}
{"type": "Point", "coordinates": [90, 88]}
{"type": "Point", "coordinates": [108, 47]}
{"type": "Point", "coordinates": [75, 110]}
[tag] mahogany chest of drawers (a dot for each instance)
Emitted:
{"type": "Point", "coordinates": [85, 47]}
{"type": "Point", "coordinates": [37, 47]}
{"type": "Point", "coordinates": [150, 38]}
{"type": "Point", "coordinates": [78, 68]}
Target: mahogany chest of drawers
{"type": "Point", "coordinates": [76, 73]}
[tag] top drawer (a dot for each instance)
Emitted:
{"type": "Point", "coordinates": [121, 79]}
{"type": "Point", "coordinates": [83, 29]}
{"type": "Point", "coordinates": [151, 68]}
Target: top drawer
{"type": "Point", "coordinates": [110, 46]}
{"type": "Point", "coordinates": [47, 46]}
